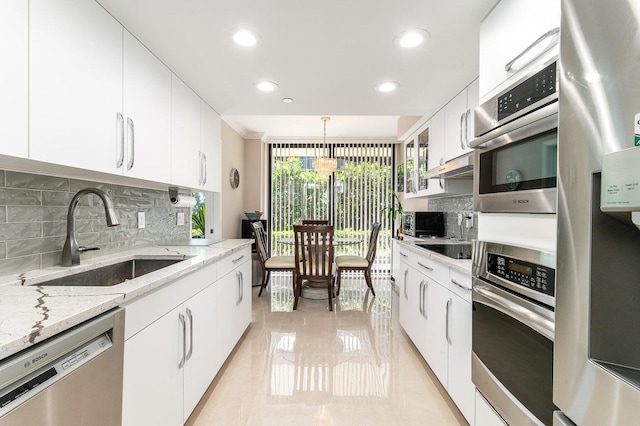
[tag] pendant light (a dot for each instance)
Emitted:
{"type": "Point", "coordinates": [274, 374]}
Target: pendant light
{"type": "Point", "coordinates": [325, 165]}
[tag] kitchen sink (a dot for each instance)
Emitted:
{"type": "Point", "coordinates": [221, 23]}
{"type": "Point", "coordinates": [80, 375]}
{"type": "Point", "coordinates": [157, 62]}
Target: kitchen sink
{"type": "Point", "coordinates": [109, 275]}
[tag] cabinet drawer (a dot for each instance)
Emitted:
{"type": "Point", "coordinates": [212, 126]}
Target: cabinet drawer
{"type": "Point", "coordinates": [232, 261]}
{"type": "Point", "coordinates": [460, 284]}
{"type": "Point", "coordinates": [432, 269]}
{"type": "Point", "coordinates": [148, 308]}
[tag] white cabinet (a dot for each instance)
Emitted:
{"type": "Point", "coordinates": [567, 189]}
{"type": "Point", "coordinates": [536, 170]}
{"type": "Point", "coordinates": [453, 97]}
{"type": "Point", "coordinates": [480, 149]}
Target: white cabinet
{"type": "Point", "coordinates": [423, 151]}
{"type": "Point", "coordinates": [459, 384]}
{"type": "Point", "coordinates": [435, 312]}
{"type": "Point", "coordinates": [75, 85]}
{"type": "Point", "coordinates": [511, 27]}
{"type": "Point", "coordinates": [146, 114]}
{"type": "Point", "coordinates": [485, 415]}
{"type": "Point", "coordinates": [459, 122]}
{"type": "Point", "coordinates": [203, 329]}
{"type": "Point", "coordinates": [437, 330]}
{"type": "Point", "coordinates": [178, 337]}
{"type": "Point", "coordinates": [211, 148]}
{"type": "Point", "coordinates": [186, 166]}
{"type": "Point", "coordinates": [234, 301]}
{"type": "Point", "coordinates": [152, 381]}
{"type": "Point", "coordinates": [14, 75]}
{"type": "Point", "coordinates": [196, 142]}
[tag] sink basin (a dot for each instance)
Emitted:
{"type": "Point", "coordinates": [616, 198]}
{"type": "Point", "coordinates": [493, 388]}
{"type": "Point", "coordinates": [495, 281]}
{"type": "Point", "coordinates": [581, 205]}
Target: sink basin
{"type": "Point", "coordinates": [112, 274]}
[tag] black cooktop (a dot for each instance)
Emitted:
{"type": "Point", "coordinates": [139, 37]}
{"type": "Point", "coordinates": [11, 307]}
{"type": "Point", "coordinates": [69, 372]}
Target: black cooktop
{"type": "Point", "coordinates": [454, 251]}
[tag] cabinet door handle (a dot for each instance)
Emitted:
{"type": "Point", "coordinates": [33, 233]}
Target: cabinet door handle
{"type": "Point", "coordinates": [190, 316]}
{"type": "Point", "coordinates": [241, 286]}
{"type": "Point", "coordinates": [184, 340]}
{"type": "Point", "coordinates": [446, 331]}
{"type": "Point", "coordinates": [460, 285]}
{"type": "Point", "coordinates": [204, 168]}
{"type": "Point", "coordinates": [132, 143]}
{"type": "Point", "coordinates": [420, 308]}
{"type": "Point", "coordinates": [119, 140]}
{"type": "Point", "coordinates": [425, 301]}
{"type": "Point", "coordinates": [238, 259]}
{"type": "Point", "coordinates": [441, 183]}
{"type": "Point", "coordinates": [238, 288]}
{"type": "Point", "coordinates": [461, 138]}
{"type": "Point", "coordinates": [403, 254]}
{"type": "Point", "coordinates": [509, 66]}
{"type": "Point", "coordinates": [428, 268]}
{"type": "Point", "coordinates": [466, 129]}
{"type": "Point", "coordinates": [406, 271]}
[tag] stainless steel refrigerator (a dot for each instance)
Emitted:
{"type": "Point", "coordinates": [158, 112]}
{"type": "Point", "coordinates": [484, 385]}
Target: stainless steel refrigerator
{"type": "Point", "coordinates": [597, 337]}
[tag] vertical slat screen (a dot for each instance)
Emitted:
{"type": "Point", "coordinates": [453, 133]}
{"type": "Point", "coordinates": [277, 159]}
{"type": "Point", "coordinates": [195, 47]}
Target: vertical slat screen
{"type": "Point", "coordinates": [353, 199]}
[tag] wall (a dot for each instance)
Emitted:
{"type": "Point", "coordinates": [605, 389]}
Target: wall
{"type": "Point", "coordinates": [254, 192]}
{"type": "Point", "coordinates": [33, 219]}
{"type": "Point", "coordinates": [232, 200]}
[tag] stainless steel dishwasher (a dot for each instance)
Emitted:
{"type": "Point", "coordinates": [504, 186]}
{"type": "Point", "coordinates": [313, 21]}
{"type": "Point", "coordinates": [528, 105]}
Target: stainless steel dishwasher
{"type": "Point", "coordinates": [74, 378]}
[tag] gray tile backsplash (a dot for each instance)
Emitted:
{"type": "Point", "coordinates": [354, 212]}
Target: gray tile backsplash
{"type": "Point", "coordinates": [33, 219]}
{"type": "Point", "coordinates": [451, 207]}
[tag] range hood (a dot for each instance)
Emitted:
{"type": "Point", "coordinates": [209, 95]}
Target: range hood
{"type": "Point", "coordinates": [458, 168]}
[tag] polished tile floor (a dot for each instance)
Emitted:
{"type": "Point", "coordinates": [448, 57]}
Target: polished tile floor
{"type": "Point", "coordinates": [352, 366]}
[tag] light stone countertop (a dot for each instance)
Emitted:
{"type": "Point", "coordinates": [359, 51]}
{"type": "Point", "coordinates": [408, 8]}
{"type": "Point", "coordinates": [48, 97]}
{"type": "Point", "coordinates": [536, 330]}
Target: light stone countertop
{"type": "Point", "coordinates": [461, 265]}
{"type": "Point", "coordinates": [30, 313]}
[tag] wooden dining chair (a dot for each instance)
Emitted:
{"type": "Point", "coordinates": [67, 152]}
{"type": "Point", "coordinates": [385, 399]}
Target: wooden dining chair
{"type": "Point", "coordinates": [359, 263]}
{"type": "Point", "coordinates": [315, 222]}
{"type": "Point", "coordinates": [270, 263]}
{"type": "Point", "coordinates": [314, 257]}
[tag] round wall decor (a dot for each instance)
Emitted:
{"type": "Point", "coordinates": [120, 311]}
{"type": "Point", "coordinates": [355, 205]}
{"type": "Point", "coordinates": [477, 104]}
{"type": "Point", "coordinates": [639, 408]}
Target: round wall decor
{"type": "Point", "coordinates": [234, 178]}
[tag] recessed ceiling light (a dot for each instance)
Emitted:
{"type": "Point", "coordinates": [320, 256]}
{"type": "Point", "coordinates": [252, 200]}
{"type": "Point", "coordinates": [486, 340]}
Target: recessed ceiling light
{"type": "Point", "coordinates": [287, 100]}
{"type": "Point", "coordinates": [411, 38]}
{"type": "Point", "coordinates": [267, 86]}
{"type": "Point", "coordinates": [246, 38]}
{"type": "Point", "coordinates": [387, 86]}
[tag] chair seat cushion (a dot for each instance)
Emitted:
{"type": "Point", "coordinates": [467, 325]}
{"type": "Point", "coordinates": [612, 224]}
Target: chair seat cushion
{"type": "Point", "coordinates": [280, 262]}
{"type": "Point", "coordinates": [351, 262]}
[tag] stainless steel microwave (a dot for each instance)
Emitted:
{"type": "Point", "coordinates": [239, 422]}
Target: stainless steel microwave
{"type": "Point", "coordinates": [516, 147]}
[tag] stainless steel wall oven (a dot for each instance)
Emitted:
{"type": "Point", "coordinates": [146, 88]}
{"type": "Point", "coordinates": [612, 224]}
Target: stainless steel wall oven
{"type": "Point", "coordinates": [513, 331]}
{"type": "Point", "coordinates": [516, 146]}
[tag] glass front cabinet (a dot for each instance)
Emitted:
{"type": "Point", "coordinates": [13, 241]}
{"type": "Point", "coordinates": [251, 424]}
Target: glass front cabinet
{"type": "Point", "coordinates": [424, 150]}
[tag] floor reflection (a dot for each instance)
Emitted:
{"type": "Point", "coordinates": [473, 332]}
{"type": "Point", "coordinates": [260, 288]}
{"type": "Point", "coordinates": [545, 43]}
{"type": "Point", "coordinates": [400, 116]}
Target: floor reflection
{"type": "Point", "coordinates": [345, 356]}
{"type": "Point", "coordinates": [312, 366]}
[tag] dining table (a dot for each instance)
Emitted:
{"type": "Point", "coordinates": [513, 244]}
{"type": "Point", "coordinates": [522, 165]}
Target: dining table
{"type": "Point", "coordinates": [318, 290]}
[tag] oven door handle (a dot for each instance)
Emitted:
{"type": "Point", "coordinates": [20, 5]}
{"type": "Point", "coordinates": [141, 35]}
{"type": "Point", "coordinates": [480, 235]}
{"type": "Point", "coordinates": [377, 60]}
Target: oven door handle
{"type": "Point", "coordinates": [529, 314]}
{"type": "Point", "coordinates": [533, 116]}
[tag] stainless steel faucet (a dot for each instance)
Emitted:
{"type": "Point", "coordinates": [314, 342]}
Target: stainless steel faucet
{"type": "Point", "coordinates": [71, 251]}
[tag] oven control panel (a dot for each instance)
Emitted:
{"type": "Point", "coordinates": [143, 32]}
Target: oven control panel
{"type": "Point", "coordinates": [526, 274]}
{"type": "Point", "coordinates": [530, 91]}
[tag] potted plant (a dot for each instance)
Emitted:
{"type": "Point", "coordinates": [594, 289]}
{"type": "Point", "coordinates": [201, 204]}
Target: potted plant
{"type": "Point", "coordinates": [393, 210]}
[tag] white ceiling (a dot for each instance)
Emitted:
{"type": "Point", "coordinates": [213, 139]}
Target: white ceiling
{"type": "Point", "coordinates": [327, 56]}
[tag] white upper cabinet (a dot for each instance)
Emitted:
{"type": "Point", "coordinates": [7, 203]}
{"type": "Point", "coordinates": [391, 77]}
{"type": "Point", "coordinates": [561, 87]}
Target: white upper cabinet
{"type": "Point", "coordinates": [459, 122]}
{"type": "Point", "coordinates": [147, 113]}
{"type": "Point", "coordinates": [211, 148]}
{"type": "Point", "coordinates": [511, 27]}
{"type": "Point", "coordinates": [14, 36]}
{"type": "Point", "coordinates": [186, 165]}
{"type": "Point", "coordinates": [75, 79]}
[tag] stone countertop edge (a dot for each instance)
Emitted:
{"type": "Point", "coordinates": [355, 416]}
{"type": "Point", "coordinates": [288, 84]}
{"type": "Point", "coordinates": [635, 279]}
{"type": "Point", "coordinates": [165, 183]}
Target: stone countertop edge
{"type": "Point", "coordinates": [30, 313]}
{"type": "Point", "coordinates": [461, 265]}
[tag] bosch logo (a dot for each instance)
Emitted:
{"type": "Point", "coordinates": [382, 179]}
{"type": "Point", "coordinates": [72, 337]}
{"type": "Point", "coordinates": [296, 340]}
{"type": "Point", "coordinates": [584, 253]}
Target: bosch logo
{"type": "Point", "coordinates": [39, 357]}
{"type": "Point", "coordinates": [520, 201]}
